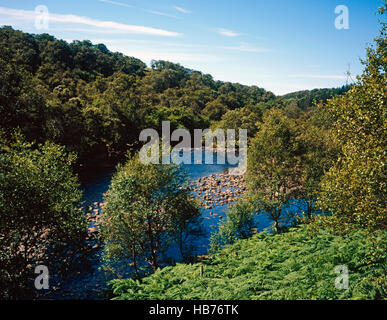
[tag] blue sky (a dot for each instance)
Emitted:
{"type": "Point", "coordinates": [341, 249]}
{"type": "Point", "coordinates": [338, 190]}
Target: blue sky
{"type": "Point", "coordinates": [280, 45]}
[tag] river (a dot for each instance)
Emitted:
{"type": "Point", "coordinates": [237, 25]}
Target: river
{"type": "Point", "coordinates": [90, 285]}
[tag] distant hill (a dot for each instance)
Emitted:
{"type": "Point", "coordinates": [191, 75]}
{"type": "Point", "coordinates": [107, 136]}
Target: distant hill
{"type": "Point", "coordinates": [305, 98]}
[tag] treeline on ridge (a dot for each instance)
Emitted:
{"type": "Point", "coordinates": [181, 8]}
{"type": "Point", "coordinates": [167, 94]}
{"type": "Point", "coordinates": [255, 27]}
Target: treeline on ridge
{"type": "Point", "coordinates": [94, 101]}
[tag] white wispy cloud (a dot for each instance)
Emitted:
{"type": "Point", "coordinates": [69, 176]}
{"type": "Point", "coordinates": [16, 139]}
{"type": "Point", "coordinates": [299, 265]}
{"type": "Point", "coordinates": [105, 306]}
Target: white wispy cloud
{"type": "Point", "coordinates": [117, 3]}
{"type": "Point", "coordinates": [182, 10]}
{"type": "Point", "coordinates": [158, 13]}
{"type": "Point", "coordinates": [97, 25]}
{"type": "Point", "coordinates": [245, 47]}
{"type": "Point", "coordinates": [204, 48]}
{"type": "Point", "coordinates": [318, 76]}
{"type": "Point", "coordinates": [147, 51]}
{"type": "Point", "coordinates": [279, 88]}
{"type": "Point", "coordinates": [227, 33]}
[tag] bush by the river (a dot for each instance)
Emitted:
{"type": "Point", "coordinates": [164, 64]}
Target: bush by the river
{"type": "Point", "coordinates": [40, 212]}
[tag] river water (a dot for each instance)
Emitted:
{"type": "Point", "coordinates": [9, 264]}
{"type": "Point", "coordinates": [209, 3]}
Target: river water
{"type": "Point", "coordinates": [89, 285]}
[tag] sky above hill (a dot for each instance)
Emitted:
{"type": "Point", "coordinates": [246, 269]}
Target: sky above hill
{"type": "Point", "coordinates": [280, 45]}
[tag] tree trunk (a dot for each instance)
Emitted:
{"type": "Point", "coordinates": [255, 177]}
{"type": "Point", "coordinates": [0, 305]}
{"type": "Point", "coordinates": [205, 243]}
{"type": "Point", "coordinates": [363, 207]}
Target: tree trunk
{"type": "Point", "coordinates": [181, 246]}
{"type": "Point", "coordinates": [277, 214]}
{"type": "Point", "coordinates": [134, 256]}
{"type": "Point", "coordinates": [310, 206]}
{"type": "Point", "coordinates": [276, 226]}
{"type": "Point", "coordinates": [152, 246]}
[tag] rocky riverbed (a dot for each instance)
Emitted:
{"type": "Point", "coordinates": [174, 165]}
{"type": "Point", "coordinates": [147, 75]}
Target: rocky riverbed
{"type": "Point", "coordinates": [219, 189]}
{"type": "Point", "coordinates": [214, 190]}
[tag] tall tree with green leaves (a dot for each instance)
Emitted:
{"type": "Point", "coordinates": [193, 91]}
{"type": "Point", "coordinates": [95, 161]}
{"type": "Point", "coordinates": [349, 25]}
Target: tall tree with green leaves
{"type": "Point", "coordinates": [147, 207]}
{"type": "Point", "coordinates": [274, 169]}
{"type": "Point", "coordinates": [355, 188]}
{"type": "Point", "coordinates": [320, 153]}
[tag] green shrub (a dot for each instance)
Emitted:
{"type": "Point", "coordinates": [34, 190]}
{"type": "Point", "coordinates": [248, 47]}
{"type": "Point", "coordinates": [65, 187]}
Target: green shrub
{"type": "Point", "coordinates": [39, 211]}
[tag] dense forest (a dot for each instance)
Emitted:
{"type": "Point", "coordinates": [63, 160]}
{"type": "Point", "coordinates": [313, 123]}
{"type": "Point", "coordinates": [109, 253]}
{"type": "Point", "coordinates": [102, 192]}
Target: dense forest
{"type": "Point", "coordinates": [90, 100]}
{"type": "Point", "coordinates": [64, 104]}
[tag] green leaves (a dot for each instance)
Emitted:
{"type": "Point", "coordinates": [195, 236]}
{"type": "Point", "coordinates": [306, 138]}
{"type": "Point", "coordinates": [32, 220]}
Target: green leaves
{"type": "Point", "coordinates": [355, 187]}
{"type": "Point", "coordinates": [274, 166]}
{"type": "Point", "coordinates": [39, 209]}
{"type": "Point", "coordinates": [238, 224]}
{"type": "Point", "coordinates": [147, 208]}
{"type": "Point", "coordinates": [292, 265]}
